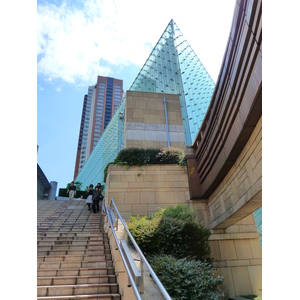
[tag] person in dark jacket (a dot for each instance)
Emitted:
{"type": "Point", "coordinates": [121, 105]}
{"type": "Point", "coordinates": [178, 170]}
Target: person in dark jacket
{"type": "Point", "coordinates": [71, 191]}
{"type": "Point", "coordinates": [89, 197]}
{"type": "Point", "coordinates": [96, 199]}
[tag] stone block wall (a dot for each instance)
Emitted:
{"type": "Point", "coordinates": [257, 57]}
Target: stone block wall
{"type": "Point", "coordinates": [237, 256]}
{"type": "Point", "coordinates": [240, 192]}
{"type": "Point", "coordinates": [143, 190]}
{"type": "Point", "coordinates": [145, 121]}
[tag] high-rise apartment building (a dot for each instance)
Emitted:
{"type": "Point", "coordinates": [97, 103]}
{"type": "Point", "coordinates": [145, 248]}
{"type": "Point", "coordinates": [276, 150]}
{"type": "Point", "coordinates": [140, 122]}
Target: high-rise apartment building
{"type": "Point", "coordinates": [99, 105]}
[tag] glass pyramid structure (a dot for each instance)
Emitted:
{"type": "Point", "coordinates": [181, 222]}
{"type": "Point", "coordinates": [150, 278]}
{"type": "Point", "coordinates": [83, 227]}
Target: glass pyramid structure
{"type": "Point", "coordinates": [172, 67]}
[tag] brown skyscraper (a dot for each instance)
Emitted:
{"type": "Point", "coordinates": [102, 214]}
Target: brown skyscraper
{"type": "Point", "coordinates": [99, 105]}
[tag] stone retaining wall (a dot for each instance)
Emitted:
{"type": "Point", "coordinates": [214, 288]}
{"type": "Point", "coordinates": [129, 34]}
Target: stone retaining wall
{"type": "Point", "coordinates": [143, 190]}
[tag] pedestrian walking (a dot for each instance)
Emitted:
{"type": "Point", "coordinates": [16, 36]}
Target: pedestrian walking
{"type": "Point", "coordinates": [89, 196]}
{"type": "Point", "coordinates": [100, 194]}
{"type": "Point", "coordinates": [96, 199]}
{"type": "Point", "coordinates": [71, 191]}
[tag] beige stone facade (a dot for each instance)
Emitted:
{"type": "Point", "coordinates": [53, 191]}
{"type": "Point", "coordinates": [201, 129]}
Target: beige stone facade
{"type": "Point", "coordinates": [143, 190]}
{"type": "Point", "coordinates": [237, 256]}
{"type": "Point", "coordinates": [234, 242]}
{"type": "Point", "coordinates": [240, 192]}
{"type": "Point", "coordinates": [145, 120]}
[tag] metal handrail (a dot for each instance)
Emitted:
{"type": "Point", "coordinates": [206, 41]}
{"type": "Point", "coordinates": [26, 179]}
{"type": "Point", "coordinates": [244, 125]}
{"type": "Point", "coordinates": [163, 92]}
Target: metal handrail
{"type": "Point", "coordinates": [136, 292]}
{"type": "Point", "coordinates": [155, 278]}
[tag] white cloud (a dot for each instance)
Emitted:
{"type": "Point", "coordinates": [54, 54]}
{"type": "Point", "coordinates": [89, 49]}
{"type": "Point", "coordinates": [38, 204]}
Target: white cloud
{"type": "Point", "coordinates": [71, 42]}
{"type": "Point", "coordinates": [75, 45]}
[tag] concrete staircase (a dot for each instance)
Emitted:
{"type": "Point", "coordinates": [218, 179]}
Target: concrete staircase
{"type": "Point", "coordinates": [73, 253]}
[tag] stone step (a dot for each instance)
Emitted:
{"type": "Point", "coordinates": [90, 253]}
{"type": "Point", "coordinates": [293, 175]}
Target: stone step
{"type": "Point", "coordinates": [76, 272]}
{"type": "Point", "coordinates": [71, 234]}
{"type": "Point", "coordinates": [56, 226]}
{"type": "Point", "coordinates": [61, 229]}
{"type": "Point", "coordinates": [73, 252]}
{"type": "Point", "coordinates": [83, 297]}
{"type": "Point", "coordinates": [67, 219]}
{"type": "Point", "coordinates": [68, 238]}
{"type": "Point", "coordinates": [78, 289]}
{"type": "Point", "coordinates": [68, 257]}
{"type": "Point", "coordinates": [70, 220]}
{"type": "Point", "coordinates": [67, 280]}
{"type": "Point", "coordinates": [73, 264]}
{"type": "Point", "coordinates": [70, 242]}
{"type": "Point", "coordinates": [63, 223]}
{"type": "Point", "coordinates": [74, 240]}
{"type": "Point", "coordinates": [73, 247]}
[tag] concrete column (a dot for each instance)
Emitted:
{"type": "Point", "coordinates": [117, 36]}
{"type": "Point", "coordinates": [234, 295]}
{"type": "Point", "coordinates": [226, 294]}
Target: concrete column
{"type": "Point", "coordinates": [52, 190]}
{"type": "Point", "coordinates": [193, 177]}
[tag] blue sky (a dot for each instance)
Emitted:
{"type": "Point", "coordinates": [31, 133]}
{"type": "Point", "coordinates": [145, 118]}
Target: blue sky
{"type": "Point", "coordinates": [78, 40]}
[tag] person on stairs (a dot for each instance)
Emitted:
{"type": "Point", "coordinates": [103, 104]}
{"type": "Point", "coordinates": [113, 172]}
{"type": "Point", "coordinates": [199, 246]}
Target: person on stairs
{"type": "Point", "coordinates": [100, 194]}
{"type": "Point", "coordinates": [96, 199]}
{"type": "Point", "coordinates": [89, 196]}
{"type": "Point", "coordinates": [71, 191]}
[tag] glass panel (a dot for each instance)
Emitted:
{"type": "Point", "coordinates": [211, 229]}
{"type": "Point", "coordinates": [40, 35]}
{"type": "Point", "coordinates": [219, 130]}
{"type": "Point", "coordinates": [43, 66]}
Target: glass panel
{"type": "Point", "coordinates": [172, 67]}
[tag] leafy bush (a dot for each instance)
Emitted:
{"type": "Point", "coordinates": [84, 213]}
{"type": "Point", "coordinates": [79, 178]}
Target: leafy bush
{"type": "Point", "coordinates": [172, 231]}
{"type": "Point", "coordinates": [187, 279]}
{"type": "Point", "coordinates": [180, 212]}
{"type": "Point", "coordinates": [171, 155]}
{"type": "Point", "coordinates": [139, 157]}
{"type": "Point", "coordinates": [175, 244]}
{"type": "Point", "coordinates": [143, 231]}
{"type": "Point", "coordinates": [182, 238]}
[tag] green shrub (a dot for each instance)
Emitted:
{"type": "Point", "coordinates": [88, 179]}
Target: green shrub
{"type": "Point", "coordinates": [139, 157]}
{"type": "Point", "coordinates": [143, 231]}
{"type": "Point", "coordinates": [171, 155]}
{"type": "Point", "coordinates": [187, 279]}
{"type": "Point", "coordinates": [180, 212]}
{"type": "Point", "coordinates": [183, 238]}
{"type": "Point", "coordinates": [172, 231]}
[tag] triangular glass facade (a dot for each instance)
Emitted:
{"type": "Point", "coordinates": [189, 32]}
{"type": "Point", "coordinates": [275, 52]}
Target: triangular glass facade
{"type": "Point", "coordinates": [172, 67]}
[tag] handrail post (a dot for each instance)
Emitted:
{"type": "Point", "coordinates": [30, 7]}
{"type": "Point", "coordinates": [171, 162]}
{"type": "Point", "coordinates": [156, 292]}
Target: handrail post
{"type": "Point", "coordinates": [141, 287]}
